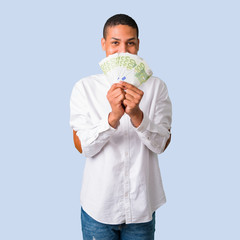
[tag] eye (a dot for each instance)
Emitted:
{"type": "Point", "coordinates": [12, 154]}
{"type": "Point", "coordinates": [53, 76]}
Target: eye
{"type": "Point", "coordinates": [131, 43]}
{"type": "Point", "coordinates": [115, 43]}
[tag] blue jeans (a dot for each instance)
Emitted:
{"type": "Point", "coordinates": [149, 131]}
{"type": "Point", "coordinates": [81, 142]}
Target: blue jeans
{"type": "Point", "coordinates": [93, 230]}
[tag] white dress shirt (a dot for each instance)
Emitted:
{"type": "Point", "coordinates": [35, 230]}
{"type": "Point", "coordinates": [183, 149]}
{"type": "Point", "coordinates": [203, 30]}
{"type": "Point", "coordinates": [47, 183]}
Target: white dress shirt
{"type": "Point", "coordinates": [122, 181]}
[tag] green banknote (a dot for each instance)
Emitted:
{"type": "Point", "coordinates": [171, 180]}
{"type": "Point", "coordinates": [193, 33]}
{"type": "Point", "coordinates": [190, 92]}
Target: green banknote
{"type": "Point", "coordinates": [126, 67]}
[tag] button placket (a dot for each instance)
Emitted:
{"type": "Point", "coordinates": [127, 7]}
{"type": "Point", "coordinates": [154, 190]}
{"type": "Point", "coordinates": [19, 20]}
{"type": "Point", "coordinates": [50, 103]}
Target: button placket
{"type": "Point", "coordinates": [126, 174]}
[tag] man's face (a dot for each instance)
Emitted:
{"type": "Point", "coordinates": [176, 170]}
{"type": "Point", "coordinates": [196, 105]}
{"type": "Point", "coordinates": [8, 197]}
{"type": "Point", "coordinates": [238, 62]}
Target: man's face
{"type": "Point", "coordinates": [120, 38]}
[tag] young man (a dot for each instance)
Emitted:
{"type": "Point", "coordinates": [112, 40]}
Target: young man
{"type": "Point", "coordinates": [120, 129]}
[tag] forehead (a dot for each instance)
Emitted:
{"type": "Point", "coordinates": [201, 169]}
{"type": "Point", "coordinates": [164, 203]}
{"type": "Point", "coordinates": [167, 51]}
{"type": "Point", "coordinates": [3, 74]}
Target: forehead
{"type": "Point", "coordinates": [121, 31]}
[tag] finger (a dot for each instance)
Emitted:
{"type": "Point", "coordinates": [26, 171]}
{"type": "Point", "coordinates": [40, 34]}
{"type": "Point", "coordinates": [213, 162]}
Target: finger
{"type": "Point", "coordinates": [132, 87]}
{"type": "Point", "coordinates": [131, 98]}
{"type": "Point", "coordinates": [129, 104]}
{"type": "Point", "coordinates": [136, 95]}
{"type": "Point", "coordinates": [116, 85]}
{"type": "Point", "coordinates": [119, 99]}
{"type": "Point", "coordinates": [116, 93]}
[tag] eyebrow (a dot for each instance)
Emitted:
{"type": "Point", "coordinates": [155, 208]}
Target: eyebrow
{"type": "Point", "coordinates": [120, 39]}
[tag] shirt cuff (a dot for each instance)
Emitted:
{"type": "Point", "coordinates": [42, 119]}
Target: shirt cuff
{"type": "Point", "coordinates": [147, 126]}
{"type": "Point", "coordinates": [143, 126]}
{"type": "Point", "coordinates": [104, 126]}
{"type": "Point", "coordinates": [102, 130]}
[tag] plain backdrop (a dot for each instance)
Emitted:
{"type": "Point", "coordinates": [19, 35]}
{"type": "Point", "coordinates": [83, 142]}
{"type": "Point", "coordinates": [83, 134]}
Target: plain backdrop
{"type": "Point", "coordinates": [46, 46]}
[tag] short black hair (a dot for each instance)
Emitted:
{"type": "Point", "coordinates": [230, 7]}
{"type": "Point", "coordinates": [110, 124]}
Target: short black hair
{"type": "Point", "coordinates": [119, 19]}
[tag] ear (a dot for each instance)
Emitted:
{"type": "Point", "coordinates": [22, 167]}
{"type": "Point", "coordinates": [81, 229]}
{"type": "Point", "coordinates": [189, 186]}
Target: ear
{"type": "Point", "coordinates": [138, 42]}
{"type": "Point", "coordinates": [103, 41]}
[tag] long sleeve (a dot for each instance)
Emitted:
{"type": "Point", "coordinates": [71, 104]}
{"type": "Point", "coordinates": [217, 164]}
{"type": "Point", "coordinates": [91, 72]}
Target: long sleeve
{"type": "Point", "coordinates": [120, 168]}
{"type": "Point", "coordinates": [93, 133]}
{"type": "Point", "coordinates": [154, 132]}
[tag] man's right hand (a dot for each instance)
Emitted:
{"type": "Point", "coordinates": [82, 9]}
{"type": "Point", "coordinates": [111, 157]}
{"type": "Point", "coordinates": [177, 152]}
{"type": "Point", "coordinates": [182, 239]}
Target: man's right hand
{"type": "Point", "coordinates": [115, 96]}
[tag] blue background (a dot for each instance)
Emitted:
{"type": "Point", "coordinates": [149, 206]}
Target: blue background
{"type": "Point", "coordinates": [47, 46]}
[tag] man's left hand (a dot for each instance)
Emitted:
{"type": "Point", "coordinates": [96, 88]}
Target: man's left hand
{"type": "Point", "coordinates": [131, 102]}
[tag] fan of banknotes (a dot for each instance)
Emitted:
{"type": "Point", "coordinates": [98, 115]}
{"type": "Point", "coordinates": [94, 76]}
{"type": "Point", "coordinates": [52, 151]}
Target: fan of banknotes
{"type": "Point", "coordinates": [126, 67]}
